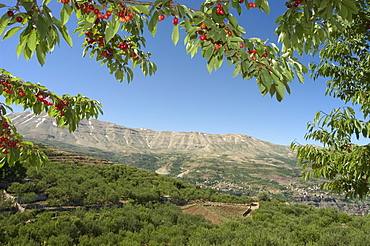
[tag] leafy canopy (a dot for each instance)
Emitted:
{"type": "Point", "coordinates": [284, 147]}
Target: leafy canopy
{"type": "Point", "coordinates": [345, 62]}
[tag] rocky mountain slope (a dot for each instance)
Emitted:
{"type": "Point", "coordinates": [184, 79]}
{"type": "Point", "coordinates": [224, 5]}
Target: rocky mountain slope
{"type": "Point", "coordinates": [182, 154]}
{"type": "Point", "coordinates": [109, 136]}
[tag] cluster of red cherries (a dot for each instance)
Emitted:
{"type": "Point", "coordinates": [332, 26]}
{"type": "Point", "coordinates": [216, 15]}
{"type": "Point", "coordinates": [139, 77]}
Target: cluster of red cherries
{"type": "Point", "coordinates": [42, 97]}
{"type": "Point", "coordinates": [60, 106]}
{"type": "Point", "coordinates": [6, 141]}
{"type": "Point", "coordinates": [220, 9]}
{"type": "Point", "coordinates": [11, 14]}
{"type": "Point", "coordinates": [7, 86]}
{"type": "Point", "coordinates": [295, 4]}
{"type": "Point", "coordinates": [126, 46]}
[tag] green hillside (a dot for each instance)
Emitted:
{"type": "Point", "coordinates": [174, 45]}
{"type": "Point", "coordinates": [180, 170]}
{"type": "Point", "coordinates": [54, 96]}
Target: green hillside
{"type": "Point", "coordinates": [100, 203]}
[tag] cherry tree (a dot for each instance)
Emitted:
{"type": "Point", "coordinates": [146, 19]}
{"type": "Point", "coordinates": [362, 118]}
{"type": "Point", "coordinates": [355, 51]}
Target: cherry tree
{"type": "Point", "coordinates": [113, 33]}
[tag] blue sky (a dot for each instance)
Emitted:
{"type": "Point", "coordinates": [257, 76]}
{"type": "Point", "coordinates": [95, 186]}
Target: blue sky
{"type": "Point", "coordinates": [182, 95]}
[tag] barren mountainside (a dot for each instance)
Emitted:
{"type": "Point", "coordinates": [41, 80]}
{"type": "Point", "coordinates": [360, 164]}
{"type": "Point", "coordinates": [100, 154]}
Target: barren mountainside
{"type": "Point", "coordinates": [112, 137]}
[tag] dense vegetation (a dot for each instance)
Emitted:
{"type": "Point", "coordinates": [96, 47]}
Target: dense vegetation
{"type": "Point", "coordinates": [122, 205]}
{"type": "Point", "coordinates": [76, 184]}
{"type": "Point", "coordinates": [275, 223]}
{"type": "Point", "coordinates": [210, 171]}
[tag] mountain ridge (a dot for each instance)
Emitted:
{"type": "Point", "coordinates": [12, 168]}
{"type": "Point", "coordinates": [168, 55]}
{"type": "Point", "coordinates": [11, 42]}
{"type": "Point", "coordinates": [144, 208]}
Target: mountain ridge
{"type": "Point", "coordinates": [110, 136]}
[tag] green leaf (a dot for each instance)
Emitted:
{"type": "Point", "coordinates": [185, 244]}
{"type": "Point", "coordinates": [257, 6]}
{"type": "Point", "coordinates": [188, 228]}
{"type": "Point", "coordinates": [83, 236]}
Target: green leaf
{"type": "Point", "coordinates": [236, 39]}
{"type": "Point", "coordinates": [2, 5]}
{"type": "Point", "coordinates": [266, 79]}
{"type": "Point", "coordinates": [153, 23]}
{"type": "Point", "coordinates": [111, 30]}
{"type": "Point", "coordinates": [31, 42]}
{"type": "Point", "coordinates": [3, 23]}
{"type": "Point", "coordinates": [194, 48]}
{"type": "Point", "coordinates": [237, 70]}
{"type": "Point", "coordinates": [351, 4]}
{"type": "Point", "coordinates": [141, 9]}
{"type": "Point", "coordinates": [210, 64]}
{"type": "Point", "coordinates": [27, 53]}
{"type": "Point", "coordinates": [208, 52]}
{"type": "Point", "coordinates": [263, 5]}
{"type": "Point", "coordinates": [175, 34]}
{"type": "Point", "coordinates": [64, 13]}
{"type": "Point", "coordinates": [230, 53]}
{"type": "Point", "coordinates": [21, 44]}
{"type": "Point", "coordinates": [63, 30]}
{"type": "Point", "coordinates": [11, 32]}
{"type": "Point", "coordinates": [280, 91]}
{"type": "Point", "coordinates": [288, 75]}
{"type": "Point", "coordinates": [42, 27]}
{"type": "Point", "coordinates": [233, 21]}
{"type": "Point", "coordinates": [187, 23]}
{"type": "Point", "coordinates": [41, 57]}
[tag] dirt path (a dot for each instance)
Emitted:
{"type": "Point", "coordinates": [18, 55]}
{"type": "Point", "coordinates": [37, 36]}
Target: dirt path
{"type": "Point", "coordinates": [197, 209]}
{"type": "Point", "coordinates": [219, 213]}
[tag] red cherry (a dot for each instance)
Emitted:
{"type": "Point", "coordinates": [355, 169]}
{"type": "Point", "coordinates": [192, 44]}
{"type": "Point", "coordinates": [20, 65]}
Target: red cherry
{"type": "Point", "coordinates": [219, 5]}
{"type": "Point", "coordinates": [203, 37]}
{"type": "Point", "coordinates": [217, 47]}
{"type": "Point", "coordinates": [105, 54]}
{"type": "Point", "coordinates": [200, 32]}
{"type": "Point", "coordinates": [254, 58]}
{"type": "Point", "coordinates": [91, 7]}
{"type": "Point", "coordinates": [265, 55]}
{"type": "Point", "coordinates": [175, 21]}
{"type": "Point", "coordinates": [108, 13]}
{"type": "Point", "coordinates": [203, 26]}
{"type": "Point", "coordinates": [96, 11]}
{"type": "Point", "coordinates": [10, 13]}
{"type": "Point", "coordinates": [19, 19]}
{"type": "Point", "coordinates": [241, 1]}
{"type": "Point", "coordinates": [161, 18]}
{"type": "Point", "coordinates": [241, 45]}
